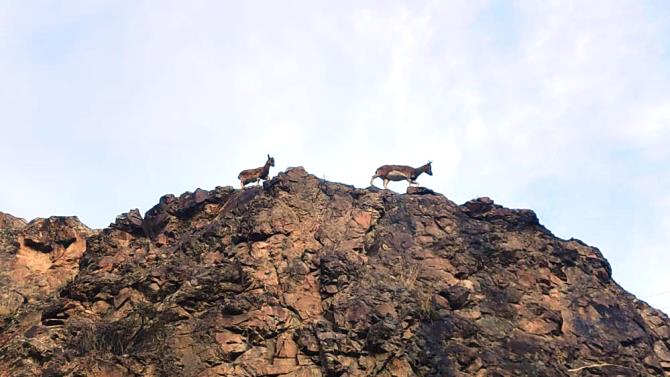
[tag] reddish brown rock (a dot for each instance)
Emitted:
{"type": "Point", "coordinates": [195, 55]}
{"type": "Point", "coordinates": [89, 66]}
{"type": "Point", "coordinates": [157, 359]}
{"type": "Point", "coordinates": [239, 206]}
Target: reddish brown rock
{"type": "Point", "coordinates": [231, 343]}
{"type": "Point", "coordinates": [8, 221]}
{"type": "Point", "coordinates": [37, 259]}
{"type": "Point", "coordinates": [303, 277]}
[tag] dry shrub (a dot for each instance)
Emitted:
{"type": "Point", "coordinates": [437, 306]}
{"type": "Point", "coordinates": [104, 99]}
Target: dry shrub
{"type": "Point", "coordinates": [143, 330]}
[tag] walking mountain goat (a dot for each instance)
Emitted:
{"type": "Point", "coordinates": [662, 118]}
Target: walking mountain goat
{"type": "Point", "coordinates": [255, 175]}
{"type": "Point", "coordinates": [399, 173]}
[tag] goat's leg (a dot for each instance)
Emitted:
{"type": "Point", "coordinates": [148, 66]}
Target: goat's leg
{"type": "Point", "coordinates": [242, 184]}
{"type": "Point", "coordinates": [258, 182]}
{"type": "Point", "coordinates": [386, 183]}
{"type": "Point", "coordinates": [372, 180]}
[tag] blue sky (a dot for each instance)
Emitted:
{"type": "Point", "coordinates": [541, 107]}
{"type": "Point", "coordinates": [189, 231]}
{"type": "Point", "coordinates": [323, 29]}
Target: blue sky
{"type": "Point", "coordinates": [558, 106]}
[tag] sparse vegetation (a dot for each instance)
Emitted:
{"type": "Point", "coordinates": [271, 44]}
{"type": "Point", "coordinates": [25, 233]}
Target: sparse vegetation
{"type": "Point", "coordinates": [143, 330]}
{"type": "Point", "coordinates": [426, 308]}
{"type": "Point", "coordinates": [409, 271]}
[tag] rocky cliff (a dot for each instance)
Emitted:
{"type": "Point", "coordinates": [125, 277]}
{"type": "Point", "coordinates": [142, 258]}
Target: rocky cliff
{"type": "Point", "coordinates": [304, 277]}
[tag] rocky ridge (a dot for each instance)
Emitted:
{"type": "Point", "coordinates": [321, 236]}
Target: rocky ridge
{"type": "Point", "coordinates": [305, 277]}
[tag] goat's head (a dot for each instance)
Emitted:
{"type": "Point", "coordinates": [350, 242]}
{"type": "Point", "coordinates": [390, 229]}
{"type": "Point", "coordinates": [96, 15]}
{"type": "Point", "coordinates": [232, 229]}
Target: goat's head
{"type": "Point", "coordinates": [270, 161]}
{"type": "Point", "coordinates": [429, 170]}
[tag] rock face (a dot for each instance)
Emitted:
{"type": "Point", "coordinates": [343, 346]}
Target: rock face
{"type": "Point", "coordinates": [304, 277]}
{"type": "Point", "coordinates": [37, 259]}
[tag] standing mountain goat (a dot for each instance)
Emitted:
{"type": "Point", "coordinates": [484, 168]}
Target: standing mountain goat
{"type": "Point", "coordinates": [399, 173]}
{"type": "Point", "coordinates": [255, 175]}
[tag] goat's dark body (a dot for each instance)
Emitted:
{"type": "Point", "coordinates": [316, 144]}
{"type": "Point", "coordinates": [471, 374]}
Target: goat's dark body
{"type": "Point", "coordinates": [400, 173]}
{"type": "Point", "coordinates": [256, 174]}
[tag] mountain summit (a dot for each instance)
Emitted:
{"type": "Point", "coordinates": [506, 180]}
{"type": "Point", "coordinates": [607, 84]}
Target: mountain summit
{"type": "Point", "coordinates": [304, 277]}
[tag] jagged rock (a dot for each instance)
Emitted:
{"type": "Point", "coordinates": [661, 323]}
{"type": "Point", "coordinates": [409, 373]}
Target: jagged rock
{"type": "Point", "coordinates": [8, 221]}
{"type": "Point", "coordinates": [37, 259]}
{"type": "Point", "coordinates": [130, 222]}
{"type": "Point", "coordinates": [418, 190]}
{"type": "Point", "coordinates": [457, 296]}
{"type": "Point", "coordinates": [304, 277]}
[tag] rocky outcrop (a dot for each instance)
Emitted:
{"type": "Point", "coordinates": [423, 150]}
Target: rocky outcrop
{"type": "Point", "coordinates": [37, 259]}
{"type": "Point", "coordinates": [304, 277]}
